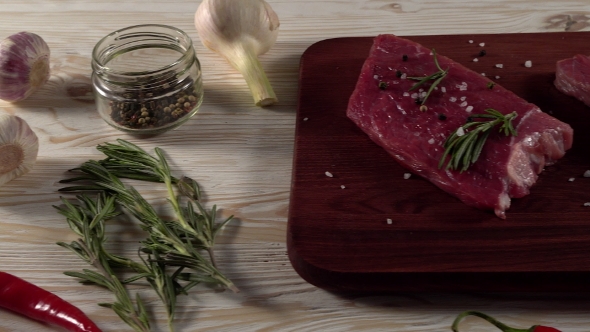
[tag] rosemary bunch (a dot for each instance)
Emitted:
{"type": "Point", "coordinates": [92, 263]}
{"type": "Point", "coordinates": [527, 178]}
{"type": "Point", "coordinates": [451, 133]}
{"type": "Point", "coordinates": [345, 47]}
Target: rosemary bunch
{"type": "Point", "coordinates": [171, 245]}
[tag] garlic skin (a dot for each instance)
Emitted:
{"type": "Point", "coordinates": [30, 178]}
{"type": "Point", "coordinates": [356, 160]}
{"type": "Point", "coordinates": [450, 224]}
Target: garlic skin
{"type": "Point", "coordinates": [24, 65]}
{"type": "Point", "coordinates": [240, 31]}
{"type": "Point", "coordinates": [18, 147]}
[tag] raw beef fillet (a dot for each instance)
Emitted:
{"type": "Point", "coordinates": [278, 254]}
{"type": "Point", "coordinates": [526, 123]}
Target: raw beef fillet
{"type": "Point", "coordinates": [384, 108]}
{"type": "Point", "coordinates": [572, 77]}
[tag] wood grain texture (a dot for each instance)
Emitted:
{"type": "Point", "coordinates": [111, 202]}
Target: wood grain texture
{"type": "Point", "coordinates": [242, 156]}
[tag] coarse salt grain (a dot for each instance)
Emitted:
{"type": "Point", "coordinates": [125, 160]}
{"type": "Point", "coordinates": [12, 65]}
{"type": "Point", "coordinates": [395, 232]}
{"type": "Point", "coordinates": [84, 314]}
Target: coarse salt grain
{"type": "Point", "coordinates": [475, 59]}
{"type": "Point", "coordinates": [470, 41]}
{"type": "Point", "coordinates": [330, 175]}
{"type": "Point", "coordinates": [406, 94]}
{"type": "Point", "coordinates": [431, 141]}
{"type": "Point", "coordinates": [499, 65]}
{"type": "Point", "coordinates": [463, 98]}
{"type": "Point", "coordinates": [443, 89]}
{"type": "Point", "coordinates": [483, 74]}
{"type": "Point", "coordinates": [342, 186]}
{"type": "Point", "coordinates": [375, 76]}
{"type": "Point", "coordinates": [469, 108]}
{"type": "Point", "coordinates": [482, 44]}
{"type": "Point", "coordinates": [587, 174]}
{"type": "Point", "coordinates": [407, 176]}
{"type": "Point", "coordinates": [389, 221]}
{"type": "Point", "coordinates": [587, 204]}
{"type": "Point", "coordinates": [528, 63]}
{"type": "Point", "coordinates": [423, 94]}
{"type": "Point", "coordinates": [404, 75]}
{"type": "Point", "coordinates": [414, 95]}
{"type": "Point", "coordinates": [497, 77]}
{"type": "Point", "coordinates": [571, 179]}
{"type": "Point", "coordinates": [460, 132]}
{"type": "Point", "coordinates": [305, 119]}
{"type": "Point", "coordinates": [463, 104]}
{"type": "Point", "coordinates": [453, 99]}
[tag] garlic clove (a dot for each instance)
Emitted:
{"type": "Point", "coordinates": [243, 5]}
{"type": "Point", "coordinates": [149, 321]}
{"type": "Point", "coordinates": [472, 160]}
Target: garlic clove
{"type": "Point", "coordinates": [24, 65]}
{"type": "Point", "coordinates": [18, 147]}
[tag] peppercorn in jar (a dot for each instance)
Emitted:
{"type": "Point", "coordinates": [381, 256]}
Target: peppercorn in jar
{"type": "Point", "coordinates": [146, 78]}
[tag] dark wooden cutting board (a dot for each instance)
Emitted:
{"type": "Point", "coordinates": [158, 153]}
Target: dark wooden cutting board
{"type": "Point", "coordinates": [339, 237]}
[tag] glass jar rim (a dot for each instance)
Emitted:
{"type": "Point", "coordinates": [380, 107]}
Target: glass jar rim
{"type": "Point", "coordinates": [101, 53]}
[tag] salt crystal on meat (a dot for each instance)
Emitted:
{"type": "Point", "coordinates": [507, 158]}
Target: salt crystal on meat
{"type": "Point", "coordinates": [508, 165]}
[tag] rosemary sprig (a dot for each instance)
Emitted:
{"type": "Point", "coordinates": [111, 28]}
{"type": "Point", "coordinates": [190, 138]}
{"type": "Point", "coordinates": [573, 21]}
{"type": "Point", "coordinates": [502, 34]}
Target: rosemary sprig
{"type": "Point", "coordinates": [437, 77]}
{"type": "Point", "coordinates": [87, 220]}
{"type": "Point", "coordinates": [173, 247]}
{"type": "Point", "coordinates": [465, 144]}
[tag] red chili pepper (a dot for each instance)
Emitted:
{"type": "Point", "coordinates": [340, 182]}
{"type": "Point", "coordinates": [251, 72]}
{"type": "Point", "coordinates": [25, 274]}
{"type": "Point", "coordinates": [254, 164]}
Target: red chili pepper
{"type": "Point", "coordinates": [498, 324]}
{"type": "Point", "coordinates": [540, 328]}
{"type": "Point", "coordinates": [29, 300]}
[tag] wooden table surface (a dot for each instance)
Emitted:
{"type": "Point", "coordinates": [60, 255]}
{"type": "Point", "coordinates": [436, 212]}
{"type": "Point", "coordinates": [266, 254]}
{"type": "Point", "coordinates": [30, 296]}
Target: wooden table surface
{"type": "Point", "coordinates": [242, 156]}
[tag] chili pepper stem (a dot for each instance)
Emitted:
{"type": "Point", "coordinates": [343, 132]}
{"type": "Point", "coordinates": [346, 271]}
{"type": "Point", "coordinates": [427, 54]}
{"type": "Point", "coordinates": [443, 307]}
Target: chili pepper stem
{"type": "Point", "coordinates": [503, 327]}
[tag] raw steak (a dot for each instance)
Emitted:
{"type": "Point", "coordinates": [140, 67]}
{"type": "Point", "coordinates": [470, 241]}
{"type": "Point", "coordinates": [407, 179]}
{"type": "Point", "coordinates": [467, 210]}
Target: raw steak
{"type": "Point", "coordinates": [382, 106]}
{"type": "Point", "coordinates": [572, 77]}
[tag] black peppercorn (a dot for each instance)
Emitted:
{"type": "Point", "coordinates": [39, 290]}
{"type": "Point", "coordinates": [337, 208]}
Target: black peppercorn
{"type": "Point", "coordinates": [482, 53]}
{"type": "Point", "coordinates": [442, 117]}
{"type": "Point", "coordinates": [382, 85]}
{"type": "Point", "coordinates": [398, 73]}
{"type": "Point", "coordinates": [405, 57]}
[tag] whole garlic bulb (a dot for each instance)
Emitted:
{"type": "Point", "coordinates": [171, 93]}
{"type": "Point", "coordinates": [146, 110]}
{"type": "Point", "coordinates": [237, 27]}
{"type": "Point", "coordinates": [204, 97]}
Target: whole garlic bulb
{"type": "Point", "coordinates": [24, 65]}
{"type": "Point", "coordinates": [240, 31]}
{"type": "Point", "coordinates": [18, 147]}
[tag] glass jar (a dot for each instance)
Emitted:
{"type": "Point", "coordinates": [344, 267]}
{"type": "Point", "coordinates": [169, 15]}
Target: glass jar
{"type": "Point", "coordinates": [146, 78]}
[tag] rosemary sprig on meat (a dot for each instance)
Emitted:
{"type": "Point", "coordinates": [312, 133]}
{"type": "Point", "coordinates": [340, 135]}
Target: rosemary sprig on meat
{"type": "Point", "coordinates": [178, 251]}
{"type": "Point", "coordinates": [464, 146]}
{"type": "Point", "coordinates": [437, 77]}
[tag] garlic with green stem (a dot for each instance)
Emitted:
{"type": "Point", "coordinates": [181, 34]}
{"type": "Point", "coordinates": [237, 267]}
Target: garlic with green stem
{"type": "Point", "coordinates": [18, 147]}
{"type": "Point", "coordinates": [240, 31]}
{"type": "Point", "coordinates": [24, 65]}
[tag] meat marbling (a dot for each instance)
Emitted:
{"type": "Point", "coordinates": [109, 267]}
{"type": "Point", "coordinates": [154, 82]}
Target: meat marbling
{"type": "Point", "coordinates": [388, 113]}
{"type": "Point", "coordinates": [572, 77]}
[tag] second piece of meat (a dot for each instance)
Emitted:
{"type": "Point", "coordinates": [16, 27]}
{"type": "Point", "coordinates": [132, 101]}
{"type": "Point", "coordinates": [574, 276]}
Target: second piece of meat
{"type": "Point", "coordinates": [572, 77]}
